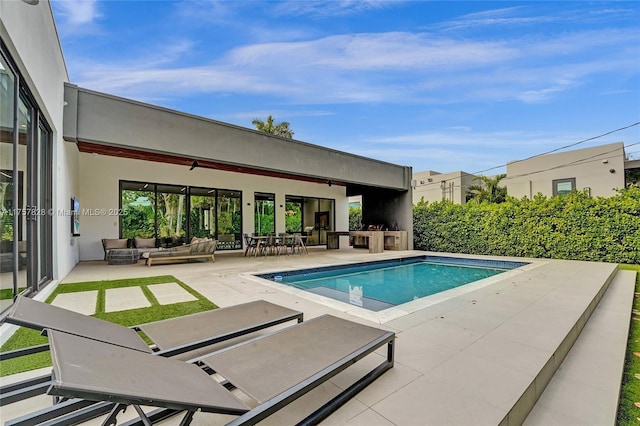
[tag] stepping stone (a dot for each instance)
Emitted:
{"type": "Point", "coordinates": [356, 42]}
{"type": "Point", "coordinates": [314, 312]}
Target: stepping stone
{"type": "Point", "coordinates": [122, 299]}
{"type": "Point", "coordinates": [170, 293]}
{"type": "Point", "coordinates": [83, 302]}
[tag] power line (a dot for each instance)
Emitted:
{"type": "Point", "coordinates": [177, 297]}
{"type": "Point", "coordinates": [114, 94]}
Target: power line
{"type": "Point", "coordinates": [563, 147]}
{"type": "Point", "coordinates": [578, 161]}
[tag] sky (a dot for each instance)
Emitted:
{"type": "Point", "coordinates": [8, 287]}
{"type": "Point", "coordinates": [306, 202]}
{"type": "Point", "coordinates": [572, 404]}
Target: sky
{"type": "Point", "coordinates": [442, 86]}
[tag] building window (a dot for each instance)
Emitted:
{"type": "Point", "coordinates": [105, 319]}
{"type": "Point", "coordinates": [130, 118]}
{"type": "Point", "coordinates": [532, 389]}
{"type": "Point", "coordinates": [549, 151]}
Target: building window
{"type": "Point", "coordinates": [264, 218]}
{"type": "Point", "coordinates": [175, 213]}
{"type": "Point", "coordinates": [563, 186]}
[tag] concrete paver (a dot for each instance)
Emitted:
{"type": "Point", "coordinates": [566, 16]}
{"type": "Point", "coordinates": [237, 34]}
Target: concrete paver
{"type": "Point", "coordinates": [122, 299]}
{"type": "Point", "coordinates": [83, 302]}
{"type": "Point", "coordinates": [170, 293]}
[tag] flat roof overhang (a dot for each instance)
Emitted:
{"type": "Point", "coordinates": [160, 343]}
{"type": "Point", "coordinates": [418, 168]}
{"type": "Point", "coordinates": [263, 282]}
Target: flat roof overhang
{"type": "Point", "coordinates": [110, 125]}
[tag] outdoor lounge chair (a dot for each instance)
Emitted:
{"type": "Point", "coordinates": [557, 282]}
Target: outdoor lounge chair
{"type": "Point", "coordinates": [271, 370]}
{"type": "Point", "coordinates": [171, 337]}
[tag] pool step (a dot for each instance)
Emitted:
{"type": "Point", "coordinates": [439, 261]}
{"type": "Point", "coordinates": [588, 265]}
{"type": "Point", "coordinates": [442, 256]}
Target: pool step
{"type": "Point", "coordinates": [586, 387]}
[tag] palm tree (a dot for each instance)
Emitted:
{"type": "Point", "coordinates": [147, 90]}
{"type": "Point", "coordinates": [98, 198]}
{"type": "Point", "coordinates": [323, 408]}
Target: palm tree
{"type": "Point", "coordinates": [279, 129]}
{"type": "Point", "coordinates": [489, 190]}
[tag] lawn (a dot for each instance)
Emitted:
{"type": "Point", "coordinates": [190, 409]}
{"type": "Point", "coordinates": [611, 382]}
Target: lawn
{"type": "Point", "coordinates": [23, 337]}
{"type": "Point", "coordinates": [629, 408]}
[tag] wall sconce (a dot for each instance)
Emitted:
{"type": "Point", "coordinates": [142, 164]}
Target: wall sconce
{"type": "Point", "coordinates": [281, 206]}
{"type": "Point", "coordinates": [194, 165]}
{"type": "Point", "coordinates": [612, 170]}
{"type": "Point", "coordinates": [329, 183]}
{"type": "Point", "coordinates": [248, 204]}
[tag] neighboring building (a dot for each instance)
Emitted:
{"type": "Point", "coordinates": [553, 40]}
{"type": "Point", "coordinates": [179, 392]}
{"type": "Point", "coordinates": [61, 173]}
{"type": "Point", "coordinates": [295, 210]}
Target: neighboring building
{"type": "Point", "coordinates": [599, 169]}
{"type": "Point", "coordinates": [60, 142]}
{"type": "Point", "coordinates": [433, 186]}
{"type": "Point", "coordinates": [602, 170]}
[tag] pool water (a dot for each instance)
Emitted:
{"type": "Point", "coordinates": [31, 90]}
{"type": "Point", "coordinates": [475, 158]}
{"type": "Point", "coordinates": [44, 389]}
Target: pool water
{"type": "Point", "coordinates": [380, 285]}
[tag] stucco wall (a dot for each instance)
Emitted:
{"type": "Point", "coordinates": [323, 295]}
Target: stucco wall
{"type": "Point", "coordinates": [30, 35]}
{"type": "Point", "coordinates": [599, 168]}
{"type": "Point", "coordinates": [429, 186]}
{"type": "Point", "coordinates": [151, 128]}
{"type": "Point", "coordinates": [100, 176]}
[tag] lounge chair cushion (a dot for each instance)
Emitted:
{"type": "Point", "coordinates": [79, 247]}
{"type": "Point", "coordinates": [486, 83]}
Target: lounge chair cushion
{"type": "Point", "coordinates": [264, 367]}
{"type": "Point", "coordinates": [29, 313]}
{"type": "Point", "coordinates": [115, 243]}
{"type": "Point", "coordinates": [202, 246]}
{"type": "Point", "coordinates": [132, 377]}
{"type": "Point", "coordinates": [144, 242]}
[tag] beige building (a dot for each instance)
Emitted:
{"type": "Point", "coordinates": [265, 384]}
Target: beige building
{"type": "Point", "coordinates": [432, 186]}
{"type": "Point", "coordinates": [599, 169]}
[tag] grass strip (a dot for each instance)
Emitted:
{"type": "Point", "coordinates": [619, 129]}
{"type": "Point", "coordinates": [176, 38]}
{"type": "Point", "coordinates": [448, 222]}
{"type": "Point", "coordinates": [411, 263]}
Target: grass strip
{"type": "Point", "coordinates": [628, 411]}
{"type": "Point", "coordinates": [7, 293]}
{"type": "Point", "coordinates": [23, 337]}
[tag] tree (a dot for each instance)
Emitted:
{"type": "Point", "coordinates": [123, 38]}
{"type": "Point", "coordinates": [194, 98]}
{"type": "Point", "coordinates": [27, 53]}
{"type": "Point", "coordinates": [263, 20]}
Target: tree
{"type": "Point", "coordinates": [269, 126]}
{"type": "Point", "coordinates": [489, 190]}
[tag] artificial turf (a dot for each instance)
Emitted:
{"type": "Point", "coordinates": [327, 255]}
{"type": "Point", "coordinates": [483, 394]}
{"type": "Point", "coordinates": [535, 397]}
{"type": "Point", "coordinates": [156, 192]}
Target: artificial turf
{"type": "Point", "coordinates": [23, 337]}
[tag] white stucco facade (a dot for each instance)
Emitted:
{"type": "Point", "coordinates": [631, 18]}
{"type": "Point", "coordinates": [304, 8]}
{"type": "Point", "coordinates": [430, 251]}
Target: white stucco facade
{"type": "Point", "coordinates": [599, 169]}
{"type": "Point", "coordinates": [432, 186]}
{"type": "Point", "coordinates": [100, 176]}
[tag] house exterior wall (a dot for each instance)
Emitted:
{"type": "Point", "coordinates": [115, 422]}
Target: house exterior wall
{"type": "Point", "coordinates": [600, 168]}
{"type": "Point", "coordinates": [151, 128]}
{"type": "Point", "coordinates": [30, 36]}
{"type": "Point", "coordinates": [100, 176]}
{"type": "Point", "coordinates": [433, 186]}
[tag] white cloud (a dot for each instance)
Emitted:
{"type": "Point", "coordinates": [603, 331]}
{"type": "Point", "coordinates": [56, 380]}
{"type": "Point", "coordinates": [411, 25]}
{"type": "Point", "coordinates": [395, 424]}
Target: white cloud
{"type": "Point", "coordinates": [77, 12]}
{"type": "Point", "coordinates": [378, 67]}
{"type": "Point", "coordinates": [331, 7]}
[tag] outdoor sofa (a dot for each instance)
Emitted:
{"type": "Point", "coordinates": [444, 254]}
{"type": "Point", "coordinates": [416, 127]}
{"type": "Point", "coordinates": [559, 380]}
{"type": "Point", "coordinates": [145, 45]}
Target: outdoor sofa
{"type": "Point", "coordinates": [200, 248]}
{"type": "Point", "coordinates": [143, 245]}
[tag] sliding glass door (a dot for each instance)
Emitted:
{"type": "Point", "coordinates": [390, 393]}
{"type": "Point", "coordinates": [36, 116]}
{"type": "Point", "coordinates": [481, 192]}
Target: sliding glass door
{"type": "Point", "coordinates": [175, 214]}
{"type": "Point", "coordinates": [25, 190]}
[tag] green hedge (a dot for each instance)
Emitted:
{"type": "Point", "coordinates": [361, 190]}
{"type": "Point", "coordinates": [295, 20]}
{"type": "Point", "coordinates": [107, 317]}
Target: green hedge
{"type": "Point", "coordinates": [574, 226]}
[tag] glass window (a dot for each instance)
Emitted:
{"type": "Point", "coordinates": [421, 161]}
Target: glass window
{"type": "Point", "coordinates": [563, 186]}
{"type": "Point", "coordinates": [202, 218]}
{"type": "Point", "coordinates": [7, 92]}
{"type": "Point", "coordinates": [229, 215]}
{"type": "Point", "coordinates": [175, 214]}
{"type": "Point", "coordinates": [632, 177]}
{"type": "Point", "coordinates": [293, 214]}
{"type": "Point", "coordinates": [25, 189]}
{"type": "Point", "coordinates": [138, 203]}
{"type": "Point", "coordinates": [265, 213]}
{"type": "Point", "coordinates": [171, 214]}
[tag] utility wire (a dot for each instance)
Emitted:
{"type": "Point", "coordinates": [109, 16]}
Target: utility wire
{"type": "Point", "coordinates": [581, 160]}
{"type": "Point", "coordinates": [562, 147]}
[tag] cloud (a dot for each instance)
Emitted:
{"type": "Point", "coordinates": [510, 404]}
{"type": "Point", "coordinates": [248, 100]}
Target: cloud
{"type": "Point", "coordinates": [389, 67]}
{"type": "Point", "coordinates": [331, 7]}
{"type": "Point", "coordinates": [453, 149]}
{"type": "Point", "coordinates": [77, 12]}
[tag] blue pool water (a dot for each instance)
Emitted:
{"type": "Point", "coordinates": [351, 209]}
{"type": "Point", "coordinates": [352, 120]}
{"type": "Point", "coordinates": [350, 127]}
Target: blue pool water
{"type": "Point", "coordinates": [380, 285]}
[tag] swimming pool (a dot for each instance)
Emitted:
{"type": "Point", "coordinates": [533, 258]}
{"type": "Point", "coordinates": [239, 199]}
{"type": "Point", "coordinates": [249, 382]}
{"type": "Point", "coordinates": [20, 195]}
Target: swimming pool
{"type": "Point", "coordinates": [380, 285]}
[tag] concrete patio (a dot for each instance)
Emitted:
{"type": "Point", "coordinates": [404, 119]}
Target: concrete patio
{"type": "Point", "coordinates": [483, 357]}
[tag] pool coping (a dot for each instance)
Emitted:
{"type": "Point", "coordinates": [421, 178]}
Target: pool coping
{"type": "Point", "coordinates": [407, 308]}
